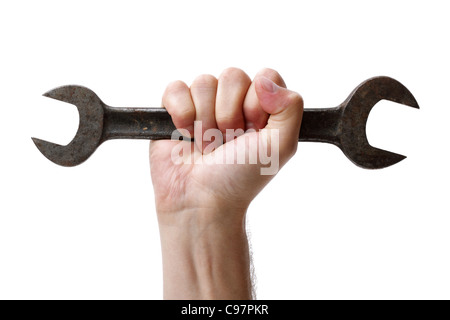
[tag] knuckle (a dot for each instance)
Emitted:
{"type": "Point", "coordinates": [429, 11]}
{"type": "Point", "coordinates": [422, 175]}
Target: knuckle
{"type": "Point", "coordinates": [234, 75]}
{"type": "Point", "coordinates": [204, 82]}
{"type": "Point", "coordinates": [296, 99]}
{"type": "Point", "coordinates": [173, 89]}
{"type": "Point", "coordinates": [176, 86]}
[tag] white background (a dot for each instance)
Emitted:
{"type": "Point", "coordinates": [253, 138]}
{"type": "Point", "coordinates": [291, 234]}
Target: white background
{"type": "Point", "coordinates": [323, 229]}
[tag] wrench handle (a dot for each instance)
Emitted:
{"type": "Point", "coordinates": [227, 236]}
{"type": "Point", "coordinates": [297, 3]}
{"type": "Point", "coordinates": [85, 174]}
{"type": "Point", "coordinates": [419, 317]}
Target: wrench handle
{"type": "Point", "coordinates": [318, 125]}
{"type": "Point", "coordinates": [137, 123]}
{"type": "Point", "coordinates": [321, 125]}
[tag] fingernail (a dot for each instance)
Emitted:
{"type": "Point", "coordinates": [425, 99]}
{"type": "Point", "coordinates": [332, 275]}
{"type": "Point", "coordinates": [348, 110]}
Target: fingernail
{"type": "Point", "coordinates": [268, 85]}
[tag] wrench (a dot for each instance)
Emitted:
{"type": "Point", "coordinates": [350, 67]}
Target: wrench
{"type": "Point", "coordinates": [344, 126]}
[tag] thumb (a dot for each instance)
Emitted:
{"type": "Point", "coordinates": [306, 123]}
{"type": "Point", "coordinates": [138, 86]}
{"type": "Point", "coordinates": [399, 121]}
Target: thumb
{"type": "Point", "coordinates": [285, 109]}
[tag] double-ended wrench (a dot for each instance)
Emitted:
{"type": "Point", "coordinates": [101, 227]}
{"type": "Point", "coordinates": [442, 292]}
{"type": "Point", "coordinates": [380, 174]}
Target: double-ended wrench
{"type": "Point", "coordinates": [344, 126]}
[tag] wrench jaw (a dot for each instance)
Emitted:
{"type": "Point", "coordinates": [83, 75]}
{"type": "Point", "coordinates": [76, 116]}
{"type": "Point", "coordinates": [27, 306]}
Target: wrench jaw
{"type": "Point", "coordinates": [357, 106]}
{"type": "Point", "coordinates": [373, 158]}
{"type": "Point", "coordinates": [68, 156]}
{"type": "Point", "coordinates": [354, 144]}
{"type": "Point", "coordinates": [89, 134]}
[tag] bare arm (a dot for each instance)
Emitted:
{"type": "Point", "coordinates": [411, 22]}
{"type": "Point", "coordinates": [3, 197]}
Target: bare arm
{"type": "Point", "coordinates": [202, 203]}
{"type": "Point", "coordinates": [205, 258]}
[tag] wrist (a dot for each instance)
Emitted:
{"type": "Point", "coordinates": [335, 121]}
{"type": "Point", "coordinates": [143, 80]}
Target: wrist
{"type": "Point", "coordinates": [205, 254]}
{"type": "Point", "coordinates": [201, 203]}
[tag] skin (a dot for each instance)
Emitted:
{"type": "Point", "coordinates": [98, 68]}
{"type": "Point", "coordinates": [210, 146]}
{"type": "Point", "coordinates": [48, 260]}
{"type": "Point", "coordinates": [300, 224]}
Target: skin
{"type": "Point", "coordinates": [201, 208]}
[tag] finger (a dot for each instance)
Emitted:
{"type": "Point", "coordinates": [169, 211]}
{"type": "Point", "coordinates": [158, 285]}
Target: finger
{"type": "Point", "coordinates": [285, 109]}
{"type": "Point", "coordinates": [255, 117]}
{"type": "Point", "coordinates": [232, 88]}
{"type": "Point", "coordinates": [203, 93]}
{"type": "Point", "coordinates": [177, 100]}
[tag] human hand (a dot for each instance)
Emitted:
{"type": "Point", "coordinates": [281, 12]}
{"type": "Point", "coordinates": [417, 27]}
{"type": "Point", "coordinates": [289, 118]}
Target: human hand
{"type": "Point", "coordinates": [231, 102]}
{"type": "Point", "coordinates": [205, 201]}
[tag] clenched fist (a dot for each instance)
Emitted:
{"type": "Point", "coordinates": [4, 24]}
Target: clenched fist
{"type": "Point", "coordinates": [243, 131]}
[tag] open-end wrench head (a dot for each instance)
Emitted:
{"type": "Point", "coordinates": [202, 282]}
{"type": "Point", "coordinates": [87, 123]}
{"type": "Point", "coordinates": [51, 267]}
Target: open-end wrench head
{"type": "Point", "coordinates": [88, 136]}
{"type": "Point", "coordinates": [356, 109]}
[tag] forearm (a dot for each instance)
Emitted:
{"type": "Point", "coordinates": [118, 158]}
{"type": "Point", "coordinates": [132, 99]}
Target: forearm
{"type": "Point", "coordinates": [205, 257]}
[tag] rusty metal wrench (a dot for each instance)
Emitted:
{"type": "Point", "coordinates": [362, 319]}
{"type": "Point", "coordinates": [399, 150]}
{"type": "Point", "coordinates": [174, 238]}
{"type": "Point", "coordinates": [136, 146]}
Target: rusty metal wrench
{"type": "Point", "coordinates": [343, 126]}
